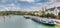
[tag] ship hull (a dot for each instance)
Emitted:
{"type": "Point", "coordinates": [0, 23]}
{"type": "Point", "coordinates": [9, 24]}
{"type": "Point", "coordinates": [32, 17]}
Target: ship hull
{"type": "Point", "coordinates": [37, 20]}
{"type": "Point", "coordinates": [27, 17]}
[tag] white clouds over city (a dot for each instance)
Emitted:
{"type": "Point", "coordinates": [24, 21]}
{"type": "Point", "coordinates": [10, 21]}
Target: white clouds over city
{"type": "Point", "coordinates": [30, 4]}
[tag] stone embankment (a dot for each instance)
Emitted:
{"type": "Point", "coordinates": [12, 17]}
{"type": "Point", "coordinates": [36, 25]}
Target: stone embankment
{"type": "Point", "coordinates": [57, 22]}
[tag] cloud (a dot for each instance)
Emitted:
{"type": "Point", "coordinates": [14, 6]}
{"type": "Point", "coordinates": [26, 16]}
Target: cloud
{"type": "Point", "coordinates": [4, 1]}
{"type": "Point", "coordinates": [52, 0]}
{"type": "Point", "coordinates": [54, 3]}
{"type": "Point", "coordinates": [2, 7]}
{"type": "Point", "coordinates": [50, 4]}
{"type": "Point", "coordinates": [13, 7]}
{"type": "Point", "coordinates": [27, 0]}
{"type": "Point", "coordinates": [29, 6]}
{"type": "Point", "coordinates": [33, 8]}
{"type": "Point", "coordinates": [10, 7]}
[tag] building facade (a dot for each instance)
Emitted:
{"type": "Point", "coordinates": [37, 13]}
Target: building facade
{"type": "Point", "coordinates": [54, 10]}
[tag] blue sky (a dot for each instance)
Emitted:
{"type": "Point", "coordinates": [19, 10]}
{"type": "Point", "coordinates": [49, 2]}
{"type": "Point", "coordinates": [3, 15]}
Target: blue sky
{"type": "Point", "coordinates": [28, 5]}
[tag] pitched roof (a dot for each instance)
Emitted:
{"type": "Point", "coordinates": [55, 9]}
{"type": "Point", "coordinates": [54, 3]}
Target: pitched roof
{"type": "Point", "coordinates": [51, 9]}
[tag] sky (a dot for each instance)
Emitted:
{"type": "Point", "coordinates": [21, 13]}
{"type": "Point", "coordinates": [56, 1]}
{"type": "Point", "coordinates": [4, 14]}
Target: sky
{"type": "Point", "coordinates": [27, 5]}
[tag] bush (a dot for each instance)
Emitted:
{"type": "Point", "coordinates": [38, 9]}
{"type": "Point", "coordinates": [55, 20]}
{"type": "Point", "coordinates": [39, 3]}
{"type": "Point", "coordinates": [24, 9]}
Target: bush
{"type": "Point", "coordinates": [50, 15]}
{"type": "Point", "coordinates": [43, 15]}
{"type": "Point", "coordinates": [59, 14]}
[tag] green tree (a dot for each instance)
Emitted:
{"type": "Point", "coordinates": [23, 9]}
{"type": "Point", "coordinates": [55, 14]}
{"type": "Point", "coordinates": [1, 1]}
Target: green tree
{"type": "Point", "coordinates": [50, 15]}
{"type": "Point", "coordinates": [43, 15]}
{"type": "Point", "coordinates": [59, 14]}
{"type": "Point", "coordinates": [31, 14]}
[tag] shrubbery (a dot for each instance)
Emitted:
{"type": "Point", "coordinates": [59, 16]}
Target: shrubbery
{"type": "Point", "coordinates": [48, 15]}
{"type": "Point", "coordinates": [59, 14]}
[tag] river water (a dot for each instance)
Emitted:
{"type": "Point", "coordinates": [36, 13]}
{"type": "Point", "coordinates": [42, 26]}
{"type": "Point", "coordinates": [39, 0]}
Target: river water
{"type": "Point", "coordinates": [17, 21]}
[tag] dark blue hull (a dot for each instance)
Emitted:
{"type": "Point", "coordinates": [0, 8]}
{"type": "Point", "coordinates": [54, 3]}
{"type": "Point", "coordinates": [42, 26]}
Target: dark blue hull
{"type": "Point", "coordinates": [48, 24]}
{"type": "Point", "coordinates": [43, 22]}
{"type": "Point", "coordinates": [51, 24]}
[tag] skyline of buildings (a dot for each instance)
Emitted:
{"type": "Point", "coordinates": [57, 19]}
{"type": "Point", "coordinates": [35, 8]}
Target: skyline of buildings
{"type": "Point", "coordinates": [54, 10]}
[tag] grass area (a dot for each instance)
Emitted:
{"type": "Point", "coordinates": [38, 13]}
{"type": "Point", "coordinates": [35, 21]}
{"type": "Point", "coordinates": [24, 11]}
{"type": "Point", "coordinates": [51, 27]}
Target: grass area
{"type": "Point", "coordinates": [52, 26]}
{"type": "Point", "coordinates": [57, 26]}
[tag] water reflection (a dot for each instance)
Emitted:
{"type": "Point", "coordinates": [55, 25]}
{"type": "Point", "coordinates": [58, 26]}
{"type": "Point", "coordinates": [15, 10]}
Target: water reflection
{"type": "Point", "coordinates": [17, 21]}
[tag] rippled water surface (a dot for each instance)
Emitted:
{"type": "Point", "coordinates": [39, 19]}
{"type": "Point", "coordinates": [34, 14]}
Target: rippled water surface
{"type": "Point", "coordinates": [17, 21]}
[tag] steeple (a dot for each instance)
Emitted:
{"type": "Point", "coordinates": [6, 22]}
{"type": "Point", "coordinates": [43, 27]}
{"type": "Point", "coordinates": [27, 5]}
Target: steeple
{"type": "Point", "coordinates": [43, 8]}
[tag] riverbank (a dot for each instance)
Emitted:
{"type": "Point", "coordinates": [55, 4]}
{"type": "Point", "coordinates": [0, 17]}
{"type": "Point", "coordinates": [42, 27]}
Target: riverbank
{"type": "Point", "coordinates": [57, 20]}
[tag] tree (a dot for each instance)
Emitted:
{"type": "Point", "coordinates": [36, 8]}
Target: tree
{"type": "Point", "coordinates": [50, 15]}
{"type": "Point", "coordinates": [59, 14]}
{"type": "Point", "coordinates": [43, 15]}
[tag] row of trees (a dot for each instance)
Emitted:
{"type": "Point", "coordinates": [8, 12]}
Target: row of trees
{"type": "Point", "coordinates": [48, 15]}
{"type": "Point", "coordinates": [51, 15]}
{"type": "Point", "coordinates": [5, 13]}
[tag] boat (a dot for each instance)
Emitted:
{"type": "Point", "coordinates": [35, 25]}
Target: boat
{"type": "Point", "coordinates": [44, 21]}
{"type": "Point", "coordinates": [26, 17]}
{"type": "Point", "coordinates": [51, 22]}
